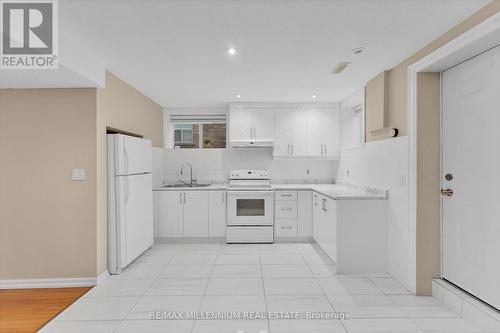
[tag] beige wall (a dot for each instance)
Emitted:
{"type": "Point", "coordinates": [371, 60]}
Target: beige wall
{"type": "Point", "coordinates": [376, 103]}
{"type": "Point", "coordinates": [428, 182]}
{"type": "Point", "coordinates": [122, 107]}
{"type": "Point", "coordinates": [397, 111]}
{"type": "Point", "coordinates": [51, 226]}
{"type": "Point", "coordinates": [47, 221]}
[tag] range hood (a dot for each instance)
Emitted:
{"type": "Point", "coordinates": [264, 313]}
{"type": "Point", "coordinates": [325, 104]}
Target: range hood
{"type": "Point", "coordinates": [252, 143]}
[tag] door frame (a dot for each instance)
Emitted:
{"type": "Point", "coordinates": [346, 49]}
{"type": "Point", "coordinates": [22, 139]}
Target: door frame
{"type": "Point", "coordinates": [462, 48]}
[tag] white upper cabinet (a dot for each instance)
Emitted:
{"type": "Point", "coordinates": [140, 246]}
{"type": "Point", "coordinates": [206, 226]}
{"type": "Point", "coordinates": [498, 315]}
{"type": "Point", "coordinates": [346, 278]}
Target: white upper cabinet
{"type": "Point", "coordinates": [251, 124]}
{"type": "Point", "coordinates": [240, 123]}
{"type": "Point", "coordinates": [290, 132]}
{"type": "Point", "coordinates": [299, 132]}
{"type": "Point", "coordinates": [262, 124]}
{"type": "Point", "coordinates": [282, 132]}
{"type": "Point", "coordinates": [323, 132]}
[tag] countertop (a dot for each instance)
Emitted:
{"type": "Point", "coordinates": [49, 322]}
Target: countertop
{"type": "Point", "coordinates": [337, 191]}
{"type": "Point", "coordinates": [333, 191]}
{"type": "Point", "coordinates": [211, 187]}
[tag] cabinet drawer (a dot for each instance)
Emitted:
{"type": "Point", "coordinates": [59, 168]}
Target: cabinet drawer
{"type": "Point", "coordinates": [286, 196]}
{"type": "Point", "coordinates": [286, 209]}
{"type": "Point", "coordinates": [286, 227]}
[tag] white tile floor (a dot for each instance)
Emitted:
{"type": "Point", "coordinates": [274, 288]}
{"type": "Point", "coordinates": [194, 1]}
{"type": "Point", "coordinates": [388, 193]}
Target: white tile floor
{"type": "Point", "coordinates": [253, 278]}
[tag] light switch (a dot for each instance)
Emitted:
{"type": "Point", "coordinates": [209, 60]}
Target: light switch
{"type": "Point", "coordinates": [403, 180]}
{"type": "Point", "coordinates": [78, 174]}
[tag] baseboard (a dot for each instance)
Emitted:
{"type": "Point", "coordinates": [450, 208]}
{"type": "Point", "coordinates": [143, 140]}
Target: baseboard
{"type": "Point", "coordinates": [102, 277]}
{"type": "Point", "coordinates": [474, 311]}
{"type": "Point", "coordinates": [186, 240]}
{"type": "Point", "coordinates": [53, 283]}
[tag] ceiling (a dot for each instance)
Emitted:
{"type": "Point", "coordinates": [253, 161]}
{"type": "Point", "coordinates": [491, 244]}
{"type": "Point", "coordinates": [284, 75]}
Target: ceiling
{"type": "Point", "coordinates": [175, 51]}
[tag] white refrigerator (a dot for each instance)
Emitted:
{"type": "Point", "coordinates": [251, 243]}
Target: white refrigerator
{"type": "Point", "coordinates": [130, 200]}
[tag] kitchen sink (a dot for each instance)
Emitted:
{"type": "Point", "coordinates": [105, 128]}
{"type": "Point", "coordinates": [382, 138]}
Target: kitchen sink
{"type": "Point", "coordinates": [187, 185]}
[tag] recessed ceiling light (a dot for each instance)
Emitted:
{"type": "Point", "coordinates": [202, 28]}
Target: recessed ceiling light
{"type": "Point", "coordinates": [358, 50]}
{"type": "Point", "coordinates": [314, 96]}
{"type": "Point", "coordinates": [231, 51]}
{"type": "Point", "coordinates": [238, 96]}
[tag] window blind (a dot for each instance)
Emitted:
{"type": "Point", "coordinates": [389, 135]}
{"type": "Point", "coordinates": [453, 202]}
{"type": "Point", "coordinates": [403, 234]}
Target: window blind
{"type": "Point", "coordinates": [198, 119]}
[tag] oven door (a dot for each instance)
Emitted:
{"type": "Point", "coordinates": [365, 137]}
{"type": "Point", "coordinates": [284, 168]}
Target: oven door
{"type": "Point", "coordinates": [250, 208]}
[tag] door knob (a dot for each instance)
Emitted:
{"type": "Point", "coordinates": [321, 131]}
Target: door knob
{"type": "Point", "coordinates": [447, 192]}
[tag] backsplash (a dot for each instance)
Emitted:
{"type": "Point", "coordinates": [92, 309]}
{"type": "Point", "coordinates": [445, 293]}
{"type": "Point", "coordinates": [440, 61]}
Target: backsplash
{"type": "Point", "coordinates": [214, 165]}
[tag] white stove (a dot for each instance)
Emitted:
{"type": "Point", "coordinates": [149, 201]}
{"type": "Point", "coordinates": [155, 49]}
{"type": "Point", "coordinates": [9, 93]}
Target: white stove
{"type": "Point", "coordinates": [250, 207]}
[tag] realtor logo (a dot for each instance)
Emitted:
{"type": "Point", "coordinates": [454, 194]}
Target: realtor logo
{"type": "Point", "coordinates": [29, 34]}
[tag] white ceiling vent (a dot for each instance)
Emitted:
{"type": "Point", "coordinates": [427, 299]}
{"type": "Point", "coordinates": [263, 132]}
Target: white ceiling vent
{"type": "Point", "coordinates": [340, 67]}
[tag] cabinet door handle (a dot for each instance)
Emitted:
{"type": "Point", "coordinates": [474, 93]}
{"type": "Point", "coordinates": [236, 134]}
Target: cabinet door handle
{"type": "Point", "coordinates": [184, 197]}
{"type": "Point", "coordinates": [180, 198]}
{"type": "Point", "coordinates": [288, 150]}
{"type": "Point", "coordinates": [292, 149]}
{"type": "Point", "coordinates": [321, 149]}
{"type": "Point", "coordinates": [286, 209]}
{"type": "Point", "coordinates": [326, 150]}
{"type": "Point", "coordinates": [323, 204]}
{"type": "Point", "coordinates": [315, 201]}
{"type": "Point", "coordinates": [286, 227]}
{"type": "Point", "coordinates": [285, 195]}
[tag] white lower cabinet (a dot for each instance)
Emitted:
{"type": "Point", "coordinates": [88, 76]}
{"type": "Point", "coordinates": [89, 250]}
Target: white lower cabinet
{"type": "Point", "coordinates": [191, 214]}
{"type": "Point", "coordinates": [217, 214]}
{"type": "Point", "coordinates": [352, 233]}
{"type": "Point", "coordinates": [304, 214]}
{"type": "Point", "coordinates": [171, 214]}
{"type": "Point", "coordinates": [195, 214]}
{"type": "Point", "coordinates": [293, 214]}
{"type": "Point", "coordinates": [156, 217]}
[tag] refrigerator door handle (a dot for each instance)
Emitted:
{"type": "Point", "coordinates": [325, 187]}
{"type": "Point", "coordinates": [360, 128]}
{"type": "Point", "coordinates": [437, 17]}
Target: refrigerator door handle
{"type": "Point", "coordinates": [125, 159]}
{"type": "Point", "coordinates": [126, 189]}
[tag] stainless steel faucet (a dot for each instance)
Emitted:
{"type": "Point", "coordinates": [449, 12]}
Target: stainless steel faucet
{"type": "Point", "coordinates": [191, 169]}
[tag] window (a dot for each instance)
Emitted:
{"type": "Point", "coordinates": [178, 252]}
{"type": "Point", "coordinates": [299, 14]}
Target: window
{"type": "Point", "coordinates": [183, 134]}
{"type": "Point", "coordinates": [200, 132]}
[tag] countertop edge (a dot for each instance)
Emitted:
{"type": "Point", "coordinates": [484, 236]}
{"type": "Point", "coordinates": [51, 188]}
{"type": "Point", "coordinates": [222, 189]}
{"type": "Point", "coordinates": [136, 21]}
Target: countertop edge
{"type": "Point", "coordinates": [288, 187]}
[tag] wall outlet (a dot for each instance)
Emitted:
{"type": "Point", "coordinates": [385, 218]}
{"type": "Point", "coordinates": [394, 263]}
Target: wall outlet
{"type": "Point", "coordinates": [308, 171]}
{"type": "Point", "coordinates": [78, 174]}
{"type": "Point", "coordinates": [347, 172]}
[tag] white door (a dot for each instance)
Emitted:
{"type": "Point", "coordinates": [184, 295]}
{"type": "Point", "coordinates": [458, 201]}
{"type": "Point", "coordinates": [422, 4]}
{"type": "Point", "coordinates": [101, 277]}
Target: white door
{"type": "Point", "coordinates": [282, 135]}
{"type": "Point", "coordinates": [217, 213]}
{"type": "Point", "coordinates": [170, 214]}
{"type": "Point", "coordinates": [240, 123]}
{"type": "Point", "coordinates": [299, 132]}
{"type": "Point", "coordinates": [470, 144]}
{"type": "Point", "coordinates": [195, 214]}
{"type": "Point", "coordinates": [331, 132]}
{"type": "Point", "coordinates": [315, 132]}
{"type": "Point", "coordinates": [263, 124]}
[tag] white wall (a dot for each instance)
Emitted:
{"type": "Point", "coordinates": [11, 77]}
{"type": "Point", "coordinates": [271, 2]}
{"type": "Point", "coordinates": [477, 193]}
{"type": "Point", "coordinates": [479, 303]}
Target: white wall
{"type": "Point", "coordinates": [384, 164]}
{"type": "Point", "coordinates": [214, 165]}
{"type": "Point", "coordinates": [157, 167]}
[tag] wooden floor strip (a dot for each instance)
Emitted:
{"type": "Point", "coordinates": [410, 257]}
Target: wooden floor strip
{"type": "Point", "coordinates": [27, 310]}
